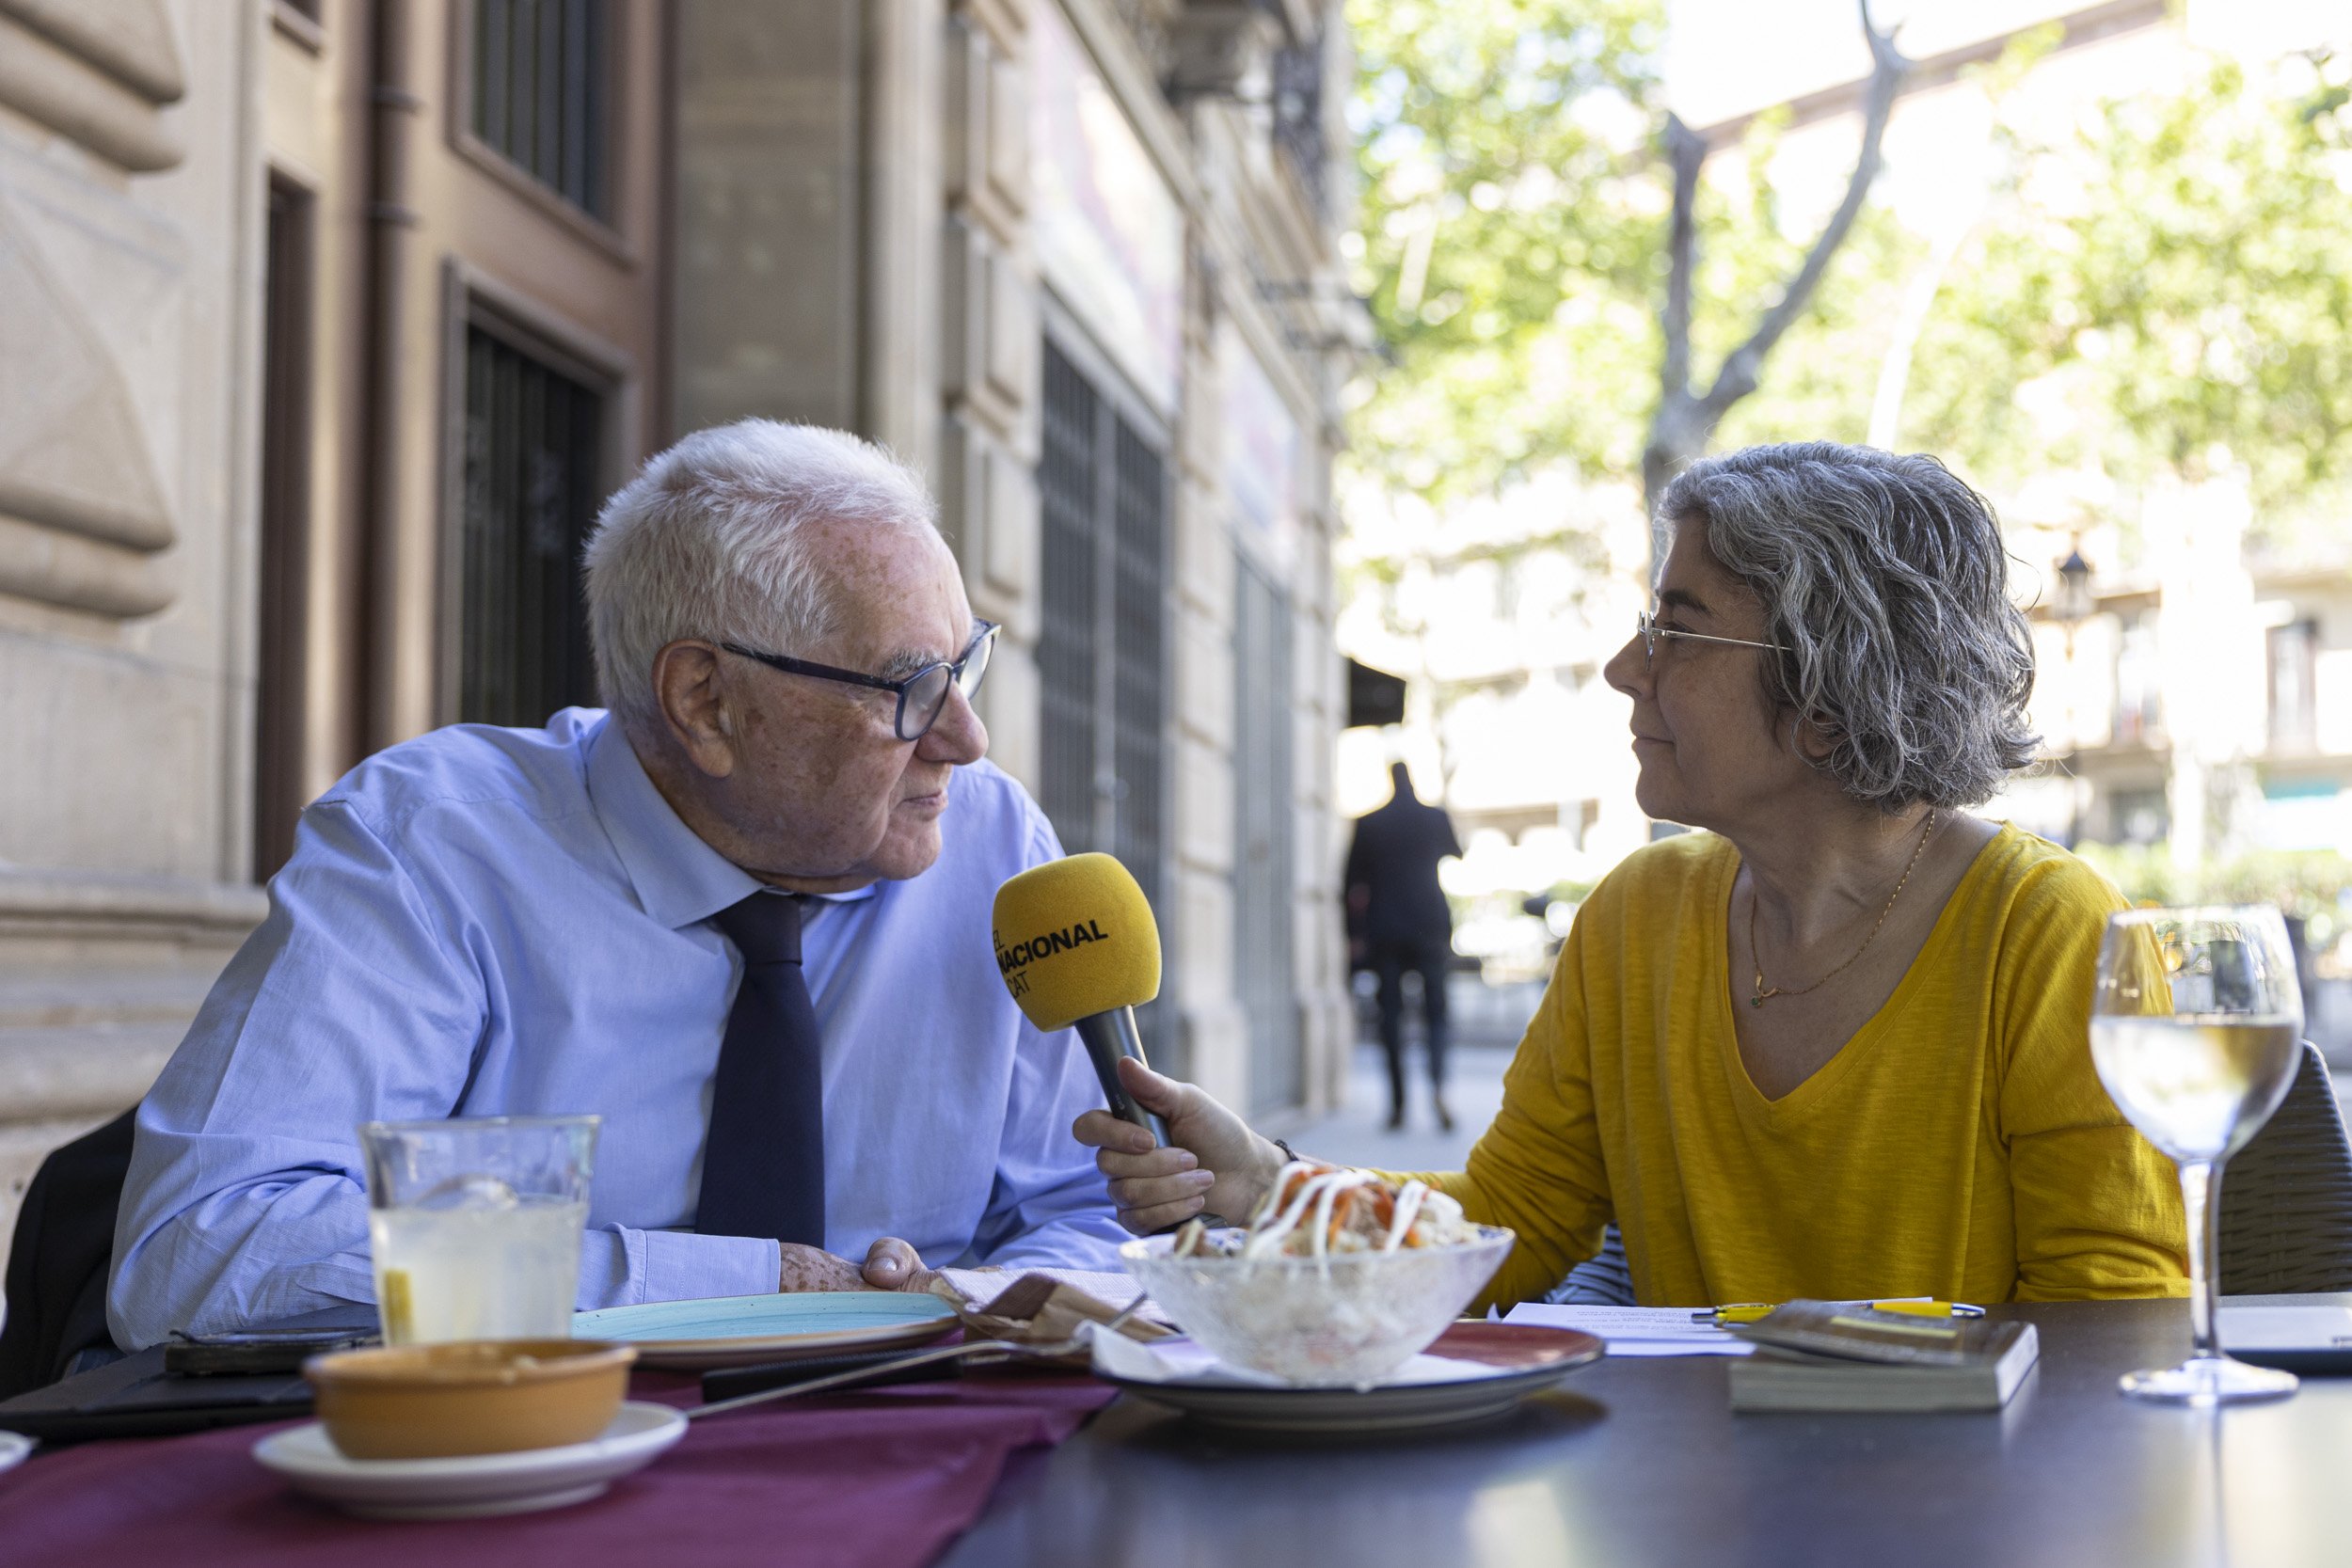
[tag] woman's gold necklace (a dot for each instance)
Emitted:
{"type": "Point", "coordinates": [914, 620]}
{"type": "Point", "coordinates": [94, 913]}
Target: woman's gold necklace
{"type": "Point", "coordinates": [1764, 993]}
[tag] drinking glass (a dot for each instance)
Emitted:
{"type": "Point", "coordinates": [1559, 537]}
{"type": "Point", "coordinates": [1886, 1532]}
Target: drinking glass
{"type": "Point", "coordinates": [2194, 1026]}
{"type": "Point", "coordinates": [474, 1224]}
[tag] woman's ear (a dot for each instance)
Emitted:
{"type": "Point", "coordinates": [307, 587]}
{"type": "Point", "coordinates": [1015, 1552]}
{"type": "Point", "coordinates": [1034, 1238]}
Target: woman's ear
{"type": "Point", "coordinates": [1812, 739]}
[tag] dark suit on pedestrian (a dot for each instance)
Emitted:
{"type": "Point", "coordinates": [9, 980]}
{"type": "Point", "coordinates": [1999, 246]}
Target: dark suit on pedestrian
{"type": "Point", "coordinates": [1406, 923]}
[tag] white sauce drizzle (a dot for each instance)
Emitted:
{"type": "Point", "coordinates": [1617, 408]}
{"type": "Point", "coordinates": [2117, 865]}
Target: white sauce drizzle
{"type": "Point", "coordinates": [1408, 1201]}
{"type": "Point", "coordinates": [1320, 1191]}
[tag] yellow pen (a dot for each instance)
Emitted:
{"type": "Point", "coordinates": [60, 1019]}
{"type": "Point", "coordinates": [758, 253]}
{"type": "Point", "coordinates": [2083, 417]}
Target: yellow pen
{"type": "Point", "coordinates": [1745, 1312]}
{"type": "Point", "coordinates": [1749, 1311]}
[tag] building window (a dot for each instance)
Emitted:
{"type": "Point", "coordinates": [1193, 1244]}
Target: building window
{"type": "Point", "coordinates": [2138, 683]}
{"type": "Point", "coordinates": [1263, 822]}
{"type": "Point", "coordinates": [1101, 651]}
{"type": "Point", "coordinates": [542, 92]}
{"type": "Point", "coordinates": [2140, 817]}
{"type": "Point", "coordinates": [2293, 716]}
{"type": "Point", "coordinates": [531, 474]}
{"type": "Point", "coordinates": [1298, 117]}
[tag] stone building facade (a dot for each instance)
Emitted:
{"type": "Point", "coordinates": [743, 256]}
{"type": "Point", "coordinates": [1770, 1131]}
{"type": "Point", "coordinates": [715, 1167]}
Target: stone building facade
{"type": "Point", "coordinates": [325, 324]}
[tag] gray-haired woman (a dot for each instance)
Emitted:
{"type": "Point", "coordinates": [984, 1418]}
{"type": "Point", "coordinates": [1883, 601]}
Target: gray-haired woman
{"type": "Point", "coordinates": [1837, 1046]}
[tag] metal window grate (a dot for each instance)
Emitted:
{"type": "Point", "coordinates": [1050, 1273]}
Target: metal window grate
{"type": "Point", "coordinates": [542, 91]}
{"type": "Point", "coordinates": [1262, 824]}
{"type": "Point", "coordinates": [1101, 651]}
{"type": "Point", "coordinates": [1138, 713]}
{"type": "Point", "coordinates": [529, 499]}
{"type": "Point", "coordinates": [1067, 653]}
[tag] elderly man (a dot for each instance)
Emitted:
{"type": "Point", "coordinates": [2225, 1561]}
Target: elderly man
{"type": "Point", "coordinates": [486, 922]}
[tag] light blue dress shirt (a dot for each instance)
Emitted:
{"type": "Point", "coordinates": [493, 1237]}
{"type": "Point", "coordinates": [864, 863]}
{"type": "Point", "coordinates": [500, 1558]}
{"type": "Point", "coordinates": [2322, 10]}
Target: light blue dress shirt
{"type": "Point", "coordinates": [486, 921]}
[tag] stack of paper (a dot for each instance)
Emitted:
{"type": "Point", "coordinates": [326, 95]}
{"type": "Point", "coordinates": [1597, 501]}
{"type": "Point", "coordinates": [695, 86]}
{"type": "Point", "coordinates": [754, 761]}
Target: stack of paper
{"type": "Point", "coordinates": [1635, 1330]}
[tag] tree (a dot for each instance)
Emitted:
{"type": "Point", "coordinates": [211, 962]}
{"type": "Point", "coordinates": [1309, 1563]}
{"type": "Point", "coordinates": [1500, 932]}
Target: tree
{"type": "Point", "coordinates": [1507, 234]}
{"type": "Point", "coordinates": [2168, 291]}
{"type": "Point", "coordinates": [1517, 237]}
{"type": "Point", "coordinates": [1686, 418]}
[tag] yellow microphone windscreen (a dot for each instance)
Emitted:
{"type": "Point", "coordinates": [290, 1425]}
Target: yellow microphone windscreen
{"type": "Point", "coordinates": [1075, 937]}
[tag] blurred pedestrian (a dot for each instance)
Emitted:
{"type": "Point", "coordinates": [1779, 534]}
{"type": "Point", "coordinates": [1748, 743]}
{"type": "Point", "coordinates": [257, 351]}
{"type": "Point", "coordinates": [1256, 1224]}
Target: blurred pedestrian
{"type": "Point", "coordinates": [1392, 882]}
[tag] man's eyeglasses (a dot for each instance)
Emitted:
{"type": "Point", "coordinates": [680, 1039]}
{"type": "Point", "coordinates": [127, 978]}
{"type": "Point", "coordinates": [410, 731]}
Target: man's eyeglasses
{"type": "Point", "coordinates": [922, 696]}
{"type": "Point", "coordinates": [1652, 634]}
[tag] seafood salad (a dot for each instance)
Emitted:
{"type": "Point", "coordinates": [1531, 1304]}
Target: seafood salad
{"type": "Point", "coordinates": [1340, 1276]}
{"type": "Point", "coordinates": [1319, 1211]}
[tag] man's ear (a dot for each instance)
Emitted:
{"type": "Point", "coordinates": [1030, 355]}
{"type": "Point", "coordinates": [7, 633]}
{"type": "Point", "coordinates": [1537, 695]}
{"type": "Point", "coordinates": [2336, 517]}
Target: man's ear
{"type": "Point", "coordinates": [690, 687]}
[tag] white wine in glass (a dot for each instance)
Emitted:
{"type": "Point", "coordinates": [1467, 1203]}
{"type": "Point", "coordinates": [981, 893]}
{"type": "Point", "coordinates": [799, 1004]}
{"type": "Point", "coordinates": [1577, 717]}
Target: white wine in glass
{"type": "Point", "coordinates": [2194, 1029]}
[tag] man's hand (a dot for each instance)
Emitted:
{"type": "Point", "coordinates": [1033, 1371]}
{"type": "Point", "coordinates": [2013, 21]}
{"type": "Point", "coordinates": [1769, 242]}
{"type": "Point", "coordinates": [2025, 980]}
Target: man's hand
{"type": "Point", "coordinates": [890, 1265]}
{"type": "Point", "coordinates": [1216, 1162]}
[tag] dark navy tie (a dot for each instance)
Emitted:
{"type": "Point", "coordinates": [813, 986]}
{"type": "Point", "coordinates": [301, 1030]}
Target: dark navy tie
{"type": "Point", "coordinates": [764, 1163]}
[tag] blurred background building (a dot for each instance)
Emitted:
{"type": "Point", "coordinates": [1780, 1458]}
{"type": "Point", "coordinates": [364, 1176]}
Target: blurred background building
{"type": "Point", "coordinates": [325, 326]}
{"type": "Point", "coordinates": [2195, 667]}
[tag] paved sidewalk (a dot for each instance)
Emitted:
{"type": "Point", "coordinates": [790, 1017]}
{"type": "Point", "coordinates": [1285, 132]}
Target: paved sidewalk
{"type": "Point", "coordinates": [1487, 1022]}
{"type": "Point", "coordinates": [1358, 1133]}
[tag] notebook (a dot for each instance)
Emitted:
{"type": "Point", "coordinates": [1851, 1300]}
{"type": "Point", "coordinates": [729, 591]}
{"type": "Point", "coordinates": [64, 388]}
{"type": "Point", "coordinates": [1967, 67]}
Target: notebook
{"type": "Point", "coordinates": [1823, 1357]}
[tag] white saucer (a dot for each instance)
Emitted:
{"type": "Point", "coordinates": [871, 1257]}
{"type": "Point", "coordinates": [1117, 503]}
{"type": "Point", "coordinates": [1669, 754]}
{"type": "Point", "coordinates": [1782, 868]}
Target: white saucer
{"type": "Point", "coordinates": [14, 1446]}
{"type": "Point", "coordinates": [475, 1485]}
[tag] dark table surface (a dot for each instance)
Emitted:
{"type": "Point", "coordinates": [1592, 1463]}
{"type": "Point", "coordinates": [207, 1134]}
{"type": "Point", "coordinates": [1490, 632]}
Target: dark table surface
{"type": "Point", "coordinates": [1641, 1461]}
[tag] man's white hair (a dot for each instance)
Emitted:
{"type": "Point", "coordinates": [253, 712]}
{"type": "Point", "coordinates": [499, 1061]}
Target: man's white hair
{"type": "Point", "coordinates": [709, 541]}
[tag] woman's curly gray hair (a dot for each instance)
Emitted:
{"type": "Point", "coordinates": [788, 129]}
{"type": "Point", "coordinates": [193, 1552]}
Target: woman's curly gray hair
{"type": "Point", "coordinates": [1884, 580]}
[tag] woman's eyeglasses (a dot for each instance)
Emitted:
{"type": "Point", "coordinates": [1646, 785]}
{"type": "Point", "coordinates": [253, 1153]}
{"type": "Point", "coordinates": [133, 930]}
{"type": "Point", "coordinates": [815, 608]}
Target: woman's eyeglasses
{"type": "Point", "coordinates": [922, 696]}
{"type": "Point", "coordinates": [1652, 633]}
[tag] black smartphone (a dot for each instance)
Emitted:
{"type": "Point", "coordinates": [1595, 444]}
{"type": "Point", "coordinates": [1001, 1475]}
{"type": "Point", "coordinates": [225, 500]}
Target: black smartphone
{"type": "Point", "coordinates": [259, 1350]}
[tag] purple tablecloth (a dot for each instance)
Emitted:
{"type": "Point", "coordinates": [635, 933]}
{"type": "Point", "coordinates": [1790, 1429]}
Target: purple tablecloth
{"type": "Point", "coordinates": [879, 1479]}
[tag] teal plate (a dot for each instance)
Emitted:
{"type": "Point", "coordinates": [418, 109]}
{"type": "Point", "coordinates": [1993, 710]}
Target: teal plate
{"type": "Point", "coordinates": [748, 1331]}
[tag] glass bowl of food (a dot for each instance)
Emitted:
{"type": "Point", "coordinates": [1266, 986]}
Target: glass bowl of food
{"type": "Point", "coordinates": [1340, 1278]}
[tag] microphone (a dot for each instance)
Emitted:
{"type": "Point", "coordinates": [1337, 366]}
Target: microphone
{"type": "Point", "coordinates": [1078, 946]}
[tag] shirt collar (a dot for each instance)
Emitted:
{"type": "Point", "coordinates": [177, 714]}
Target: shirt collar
{"type": "Point", "coordinates": [680, 879]}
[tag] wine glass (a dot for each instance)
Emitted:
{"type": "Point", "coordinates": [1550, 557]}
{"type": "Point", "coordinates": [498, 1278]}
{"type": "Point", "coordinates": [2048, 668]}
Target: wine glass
{"type": "Point", "coordinates": [2194, 1029]}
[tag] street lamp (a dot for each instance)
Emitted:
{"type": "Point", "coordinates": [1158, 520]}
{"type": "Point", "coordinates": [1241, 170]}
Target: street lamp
{"type": "Point", "coordinates": [2074, 593]}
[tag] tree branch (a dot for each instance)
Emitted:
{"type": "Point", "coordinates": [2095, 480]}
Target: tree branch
{"type": "Point", "coordinates": [1739, 372]}
{"type": "Point", "coordinates": [1686, 151]}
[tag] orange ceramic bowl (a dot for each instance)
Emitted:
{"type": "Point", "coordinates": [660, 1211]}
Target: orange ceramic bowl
{"type": "Point", "coordinates": [469, 1396]}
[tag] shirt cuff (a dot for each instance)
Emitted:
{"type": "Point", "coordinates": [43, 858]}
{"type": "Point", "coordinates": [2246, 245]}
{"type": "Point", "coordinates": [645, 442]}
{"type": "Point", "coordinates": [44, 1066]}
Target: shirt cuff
{"type": "Point", "coordinates": [621, 1267]}
{"type": "Point", "coordinates": [1071, 1241]}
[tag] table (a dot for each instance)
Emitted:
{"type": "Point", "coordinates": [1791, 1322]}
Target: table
{"type": "Point", "coordinates": [1631, 1464]}
{"type": "Point", "coordinates": [1641, 1461]}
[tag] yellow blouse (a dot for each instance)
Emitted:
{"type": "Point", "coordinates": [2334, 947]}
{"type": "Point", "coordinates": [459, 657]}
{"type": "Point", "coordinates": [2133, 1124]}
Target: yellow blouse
{"type": "Point", "coordinates": [1960, 1146]}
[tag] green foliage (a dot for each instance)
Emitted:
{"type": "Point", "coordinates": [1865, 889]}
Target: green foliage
{"type": "Point", "coordinates": [2300, 881]}
{"type": "Point", "coordinates": [1511, 225]}
{"type": "Point", "coordinates": [2167, 290]}
{"type": "Point", "coordinates": [2311, 885]}
{"type": "Point", "coordinates": [2178, 279]}
{"type": "Point", "coordinates": [2306, 882]}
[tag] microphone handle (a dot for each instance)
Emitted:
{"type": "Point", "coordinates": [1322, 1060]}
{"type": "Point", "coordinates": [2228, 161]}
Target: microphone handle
{"type": "Point", "coordinates": [1108, 1037]}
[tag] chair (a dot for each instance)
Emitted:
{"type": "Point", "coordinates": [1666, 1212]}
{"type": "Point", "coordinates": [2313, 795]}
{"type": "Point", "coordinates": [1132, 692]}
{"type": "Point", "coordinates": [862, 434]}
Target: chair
{"type": "Point", "coordinates": [57, 1265]}
{"type": "Point", "coordinates": [2286, 1197]}
{"type": "Point", "coordinates": [1602, 1281]}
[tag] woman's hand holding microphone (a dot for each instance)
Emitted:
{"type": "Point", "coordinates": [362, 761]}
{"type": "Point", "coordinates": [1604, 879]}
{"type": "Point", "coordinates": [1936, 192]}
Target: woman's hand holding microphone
{"type": "Point", "coordinates": [1214, 1163]}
